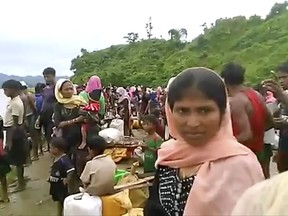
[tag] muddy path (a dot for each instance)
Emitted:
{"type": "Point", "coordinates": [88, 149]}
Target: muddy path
{"type": "Point", "coordinates": [35, 200]}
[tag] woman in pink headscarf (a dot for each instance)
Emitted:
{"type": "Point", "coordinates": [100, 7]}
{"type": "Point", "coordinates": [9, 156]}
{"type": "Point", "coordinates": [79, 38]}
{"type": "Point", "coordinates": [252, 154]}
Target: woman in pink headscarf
{"type": "Point", "coordinates": [94, 83]}
{"type": "Point", "coordinates": [203, 170]}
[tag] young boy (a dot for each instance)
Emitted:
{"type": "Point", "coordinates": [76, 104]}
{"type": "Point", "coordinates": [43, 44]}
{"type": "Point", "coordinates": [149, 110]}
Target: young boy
{"type": "Point", "coordinates": [16, 137]}
{"type": "Point", "coordinates": [98, 174]}
{"type": "Point", "coordinates": [62, 173]}
{"type": "Point", "coordinates": [152, 142]}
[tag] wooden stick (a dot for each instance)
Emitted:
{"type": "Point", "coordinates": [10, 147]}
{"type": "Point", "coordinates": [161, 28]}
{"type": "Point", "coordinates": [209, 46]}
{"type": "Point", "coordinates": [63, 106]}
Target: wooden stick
{"type": "Point", "coordinates": [141, 181]}
{"type": "Point", "coordinates": [135, 187]}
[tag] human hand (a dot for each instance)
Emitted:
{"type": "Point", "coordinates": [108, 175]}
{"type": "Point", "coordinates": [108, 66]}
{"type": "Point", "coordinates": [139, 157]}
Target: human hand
{"type": "Point", "coordinates": [80, 119]}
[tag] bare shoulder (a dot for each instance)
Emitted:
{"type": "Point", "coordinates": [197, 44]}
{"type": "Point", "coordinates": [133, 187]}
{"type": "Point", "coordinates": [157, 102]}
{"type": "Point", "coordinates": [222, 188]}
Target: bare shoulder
{"type": "Point", "coordinates": [238, 103]}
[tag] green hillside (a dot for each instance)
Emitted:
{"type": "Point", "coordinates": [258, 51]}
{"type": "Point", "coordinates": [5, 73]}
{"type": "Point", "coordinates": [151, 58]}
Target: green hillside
{"type": "Point", "coordinates": [258, 44]}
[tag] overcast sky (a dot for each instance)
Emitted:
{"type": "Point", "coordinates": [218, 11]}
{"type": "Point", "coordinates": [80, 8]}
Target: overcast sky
{"type": "Point", "coordinates": [35, 34]}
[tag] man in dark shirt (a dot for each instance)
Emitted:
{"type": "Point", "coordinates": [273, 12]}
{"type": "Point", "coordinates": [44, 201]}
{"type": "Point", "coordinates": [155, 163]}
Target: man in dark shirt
{"type": "Point", "coordinates": [279, 88]}
{"type": "Point", "coordinates": [48, 102]}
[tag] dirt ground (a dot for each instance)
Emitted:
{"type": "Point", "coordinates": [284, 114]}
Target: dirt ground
{"type": "Point", "coordinates": [35, 200]}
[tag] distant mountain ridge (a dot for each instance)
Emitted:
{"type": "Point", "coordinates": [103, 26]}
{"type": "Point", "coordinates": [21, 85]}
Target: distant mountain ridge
{"type": "Point", "coordinates": [30, 80]}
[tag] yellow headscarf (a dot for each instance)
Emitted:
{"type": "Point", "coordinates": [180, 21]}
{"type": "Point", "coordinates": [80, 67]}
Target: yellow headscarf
{"type": "Point", "coordinates": [74, 100]}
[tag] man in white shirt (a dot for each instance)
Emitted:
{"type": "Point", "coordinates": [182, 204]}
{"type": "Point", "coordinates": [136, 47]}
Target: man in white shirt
{"type": "Point", "coordinates": [16, 139]}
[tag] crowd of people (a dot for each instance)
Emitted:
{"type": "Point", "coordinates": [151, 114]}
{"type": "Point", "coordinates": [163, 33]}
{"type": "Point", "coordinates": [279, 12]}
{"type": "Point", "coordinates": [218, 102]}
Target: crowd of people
{"type": "Point", "coordinates": [209, 138]}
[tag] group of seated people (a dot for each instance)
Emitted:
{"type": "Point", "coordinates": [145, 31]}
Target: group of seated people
{"type": "Point", "coordinates": [97, 179]}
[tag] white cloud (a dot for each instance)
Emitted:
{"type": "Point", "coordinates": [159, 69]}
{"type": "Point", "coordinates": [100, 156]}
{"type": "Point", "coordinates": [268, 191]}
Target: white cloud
{"type": "Point", "coordinates": [35, 34]}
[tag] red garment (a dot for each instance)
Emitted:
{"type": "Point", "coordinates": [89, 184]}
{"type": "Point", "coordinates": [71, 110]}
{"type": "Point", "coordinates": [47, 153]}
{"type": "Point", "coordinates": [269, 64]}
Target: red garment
{"type": "Point", "coordinates": [92, 107]}
{"type": "Point", "coordinates": [257, 122]}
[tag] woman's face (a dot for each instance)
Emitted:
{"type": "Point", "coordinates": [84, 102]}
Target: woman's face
{"type": "Point", "coordinates": [118, 95]}
{"type": "Point", "coordinates": [196, 118]}
{"type": "Point", "coordinates": [67, 90]}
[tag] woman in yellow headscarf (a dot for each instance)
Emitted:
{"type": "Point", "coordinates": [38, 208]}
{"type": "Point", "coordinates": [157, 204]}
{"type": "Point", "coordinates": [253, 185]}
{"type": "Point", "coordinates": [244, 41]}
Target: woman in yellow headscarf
{"type": "Point", "coordinates": [65, 94]}
{"type": "Point", "coordinates": [68, 119]}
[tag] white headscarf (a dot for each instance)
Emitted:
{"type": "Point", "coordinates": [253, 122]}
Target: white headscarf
{"type": "Point", "coordinates": [123, 94]}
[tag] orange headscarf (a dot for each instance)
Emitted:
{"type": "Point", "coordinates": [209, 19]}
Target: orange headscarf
{"type": "Point", "coordinates": [227, 167]}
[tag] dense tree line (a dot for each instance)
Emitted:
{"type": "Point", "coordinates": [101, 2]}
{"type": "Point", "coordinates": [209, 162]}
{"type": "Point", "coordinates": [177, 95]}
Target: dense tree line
{"type": "Point", "coordinates": [259, 44]}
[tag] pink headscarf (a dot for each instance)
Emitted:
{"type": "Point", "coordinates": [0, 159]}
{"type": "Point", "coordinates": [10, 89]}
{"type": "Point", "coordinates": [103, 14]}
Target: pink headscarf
{"type": "Point", "coordinates": [131, 91]}
{"type": "Point", "coordinates": [227, 167]}
{"type": "Point", "coordinates": [93, 84]}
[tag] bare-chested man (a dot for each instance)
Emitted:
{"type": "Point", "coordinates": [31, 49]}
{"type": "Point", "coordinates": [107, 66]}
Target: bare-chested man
{"type": "Point", "coordinates": [28, 100]}
{"type": "Point", "coordinates": [250, 116]}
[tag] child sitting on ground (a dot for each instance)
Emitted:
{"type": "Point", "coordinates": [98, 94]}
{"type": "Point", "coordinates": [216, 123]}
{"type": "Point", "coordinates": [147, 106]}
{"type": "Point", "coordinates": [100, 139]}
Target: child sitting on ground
{"type": "Point", "coordinates": [152, 142]}
{"type": "Point", "coordinates": [98, 174]}
{"type": "Point", "coordinates": [91, 110]}
{"type": "Point", "coordinates": [62, 173]}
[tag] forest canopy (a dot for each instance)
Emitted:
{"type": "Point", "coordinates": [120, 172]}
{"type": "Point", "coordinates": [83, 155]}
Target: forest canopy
{"type": "Point", "coordinates": [259, 44]}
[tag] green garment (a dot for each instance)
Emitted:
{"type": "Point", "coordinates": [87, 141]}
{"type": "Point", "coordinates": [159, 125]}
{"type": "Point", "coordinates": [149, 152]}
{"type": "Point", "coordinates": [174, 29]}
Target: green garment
{"type": "Point", "coordinates": [150, 157]}
{"type": "Point", "coordinates": [265, 154]}
{"type": "Point", "coordinates": [84, 95]}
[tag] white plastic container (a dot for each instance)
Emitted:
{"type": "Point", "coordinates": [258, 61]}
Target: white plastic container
{"type": "Point", "coordinates": [82, 204]}
{"type": "Point", "coordinates": [118, 124]}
